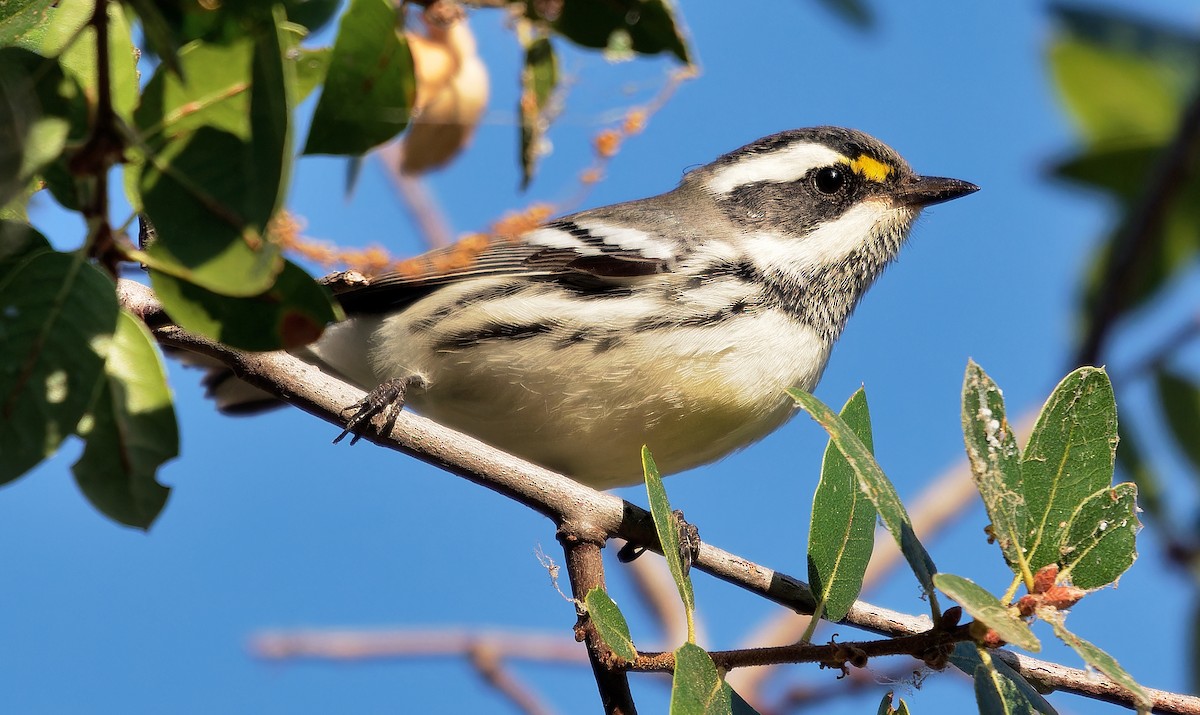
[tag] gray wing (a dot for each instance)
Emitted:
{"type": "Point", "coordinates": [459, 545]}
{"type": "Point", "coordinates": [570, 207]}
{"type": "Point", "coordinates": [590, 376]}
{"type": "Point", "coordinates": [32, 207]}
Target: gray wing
{"type": "Point", "coordinates": [585, 249]}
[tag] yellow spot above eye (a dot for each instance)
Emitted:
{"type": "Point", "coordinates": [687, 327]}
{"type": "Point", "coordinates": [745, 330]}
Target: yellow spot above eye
{"type": "Point", "coordinates": [871, 168]}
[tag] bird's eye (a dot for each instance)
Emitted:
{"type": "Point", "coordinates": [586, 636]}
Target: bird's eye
{"type": "Point", "coordinates": [829, 180]}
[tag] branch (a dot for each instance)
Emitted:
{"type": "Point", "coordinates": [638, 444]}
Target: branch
{"type": "Point", "coordinates": [578, 511]}
{"type": "Point", "coordinates": [1142, 231]}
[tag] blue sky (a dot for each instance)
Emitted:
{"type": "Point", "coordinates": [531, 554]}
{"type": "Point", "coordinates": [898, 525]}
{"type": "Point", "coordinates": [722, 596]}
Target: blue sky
{"type": "Point", "coordinates": [269, 526]}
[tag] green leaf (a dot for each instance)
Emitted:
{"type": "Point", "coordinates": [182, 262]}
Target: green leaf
{"type": "Point", "coordinates": [1102, 662]}
{"type": "Point", "coordinates": [997, 695]}
{"type": "Point", "coordinates": [272, 90]}
{"type": "Point", "coordinates": [130, 430]}
{"type": "Point", "coordinates": [697, 688]}
{"type": "Point", "coordinates": [996, 466]}
{"type": "Point", "coordinates": [966, 658]}
{"type": "Point", "coordinates": [1099, 543]}
{"type": "Point", "coordinates": [159, 34]}
{"type": "Point", "coordinates": [610, 623]}
{"type": "Point", "coordinates": [217, 163]}
{"type": "Point", "coordinates": [668, 537]}
{"type": "Point", "coordinates": [18, 242]}
{"type": "Point", "coordinates": [988, 609]}
{"type": "Point", "coordinates": [292, 313]}
{"type": "Point", "coordinates": [21, 18]}
{"type": "Point", "coordinates": [1070, 456]}
{"type": "Point", "coordinates": [369, 88]}
{"type": "Point", "coordinates": [35, 117]}
{"type": "Point", "coordinates": [79, 59]}
{"type": "Point", "coordinates": [649, 24]}
{"type": "Point", "coordinates": [311, 68]}
{"type": "Point", "coordinates": [57, 317]}
{"type": "Point", "coordinates": [539, 77]}
{"type": "Point", "coordinates": [1114, 96]}
{"type": "Point", "coordinates": [878, 488]}
{"type": "Point", "coordinates": [841, 534]}
{"type": "Point", "coordinates": [1180, 400]}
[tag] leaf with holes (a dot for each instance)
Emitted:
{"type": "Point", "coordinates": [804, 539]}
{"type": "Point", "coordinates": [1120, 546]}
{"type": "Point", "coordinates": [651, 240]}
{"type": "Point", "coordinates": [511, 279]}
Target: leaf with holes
{"type": "Point", "coordinates": [1070, 455]}
{"type": "Point", "coordinates": [130, 430]}
{"type": "Point", "coordinates": [1100, 540]}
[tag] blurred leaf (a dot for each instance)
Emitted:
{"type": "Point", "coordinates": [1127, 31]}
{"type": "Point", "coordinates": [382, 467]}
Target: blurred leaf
{"type": "Point", "coordinates": [668, 536]}
{"type": "Point", "coordinates": [311, 67]}
{"type": "Point", "coordinates": [997, 695]}
{"type": "Point", "coordinates": [1102, 662]}
{"type": "Point", "coordinates": [160, 36]}
{"type": "Point", "coordinates": [369, 87]}
{"type": "Point", "coordinates": [1180, 400]}
{"type": "Point", "coordinates": [20, 18]}
{"type": "Point", "coordinates": [854, 12]}
{"type": "Point", "coordinates": [649, 24]}
{"type": "Point", "coordinates": [35, 117]}
{"type": "Point", "coordinates": [539, 77]}
{"type": "Point", "coordinates": [63, 23]}
{"type": "Point", "coordinates": [131, 430]}
{"type": "Point", "coordinates": [996, 466]}
{"type": "Point", "coordinates": [76, 49]}
{"type": "Point", "coordinates": [1176, 51]}
{"type": "Point", "coordinates": [841, 534]}
{"type": "Point", "coordinates": [1100, 541]}
{"type": "Point", "coordinates": [988, 609]}
{"type": "Point", "coordinates": [1117, 92]}
{"type": "Point", "coordinates": [610, 623]}
{"type": "Point", "coordinates": [18, 242]}
{"type": "Point", "coordinates": [1069, 457]}
{"type": "Point", "coordinates": [216, 166]}
{"type": "Point", "coordinates": [272, 89]}
{"type": "Point", "coordinates": [57, 316]}
{"type": "Point", "coordinates": [1120, 171]}
{"type": "Point", "coordinates": [878, 489]}
{"type": "Point", "coordinates": [312, 14]}
{"type": "Point", "coordinates": [966, 658]}
{"type": "Point", "coordinates": [292, 313]}
{"type": "Point", "coordinates": [697, 688]}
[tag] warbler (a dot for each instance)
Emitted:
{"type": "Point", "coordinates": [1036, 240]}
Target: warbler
{"type": "Point", "coordinates": [676, 321]}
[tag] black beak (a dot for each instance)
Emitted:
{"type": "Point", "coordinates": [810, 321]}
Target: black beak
{"type": "Point", "coordinates": [921, 191]}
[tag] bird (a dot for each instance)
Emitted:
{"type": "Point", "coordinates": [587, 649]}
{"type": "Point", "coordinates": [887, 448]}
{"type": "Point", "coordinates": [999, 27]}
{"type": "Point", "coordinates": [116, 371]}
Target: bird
{"type": "Point", "coordinates": [676, 321]}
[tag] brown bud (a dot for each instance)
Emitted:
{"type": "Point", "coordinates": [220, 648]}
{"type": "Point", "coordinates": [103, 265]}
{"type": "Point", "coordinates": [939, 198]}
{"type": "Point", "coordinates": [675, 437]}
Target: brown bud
{"type": "Point", "coordinates": [1044, 579]}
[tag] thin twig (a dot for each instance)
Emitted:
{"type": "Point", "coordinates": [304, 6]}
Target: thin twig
{"type": "Point", "coordinates": [404, 644]}
{"type": "Point", "coordinates": [578, 510]}
{"type": "Point", "coordinates": [585, 566]}
{"type": "Point", "coordinates": [491, 668]}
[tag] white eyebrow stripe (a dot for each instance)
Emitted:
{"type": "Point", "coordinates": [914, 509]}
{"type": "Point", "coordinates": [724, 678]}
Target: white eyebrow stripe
{"type": "Point", "coordinates": [776, 166]}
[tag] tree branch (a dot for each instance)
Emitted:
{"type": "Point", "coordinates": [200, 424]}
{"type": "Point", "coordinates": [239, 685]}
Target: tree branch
{"type": "Point", "coordinates": [1142, 231]}
{"type": "Point", "coordinates": [576, 509]}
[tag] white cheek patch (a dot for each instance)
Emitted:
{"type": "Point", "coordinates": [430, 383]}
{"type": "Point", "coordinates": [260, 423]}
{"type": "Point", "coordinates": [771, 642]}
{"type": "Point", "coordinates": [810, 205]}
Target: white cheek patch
{"type": "Point", "coordinates": [828, 244]}
{"type": "Point", "coordinates": [629, 239]}
{"type": "Point", "coordinates": [778, 166]}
